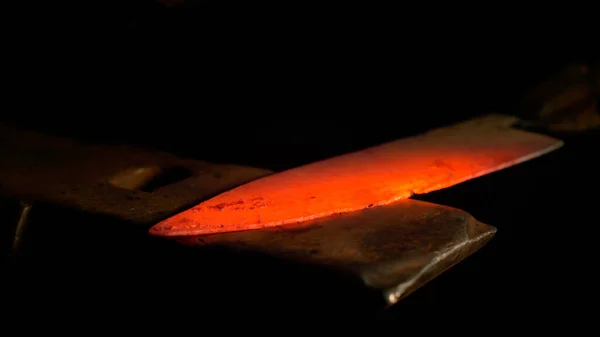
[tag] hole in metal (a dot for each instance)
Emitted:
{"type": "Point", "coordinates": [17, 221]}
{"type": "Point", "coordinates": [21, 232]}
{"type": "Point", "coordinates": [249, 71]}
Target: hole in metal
{"type": "Point", "coordinates": [149, 179]}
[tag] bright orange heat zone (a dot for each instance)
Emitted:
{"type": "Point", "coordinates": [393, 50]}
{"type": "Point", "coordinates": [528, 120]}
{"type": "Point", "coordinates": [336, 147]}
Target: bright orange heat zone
{"type": "Point", "coordinates": [355, 181]}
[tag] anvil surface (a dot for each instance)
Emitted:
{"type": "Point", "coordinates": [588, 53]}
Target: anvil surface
{"type": "Point", "coordinates": [390, 251]}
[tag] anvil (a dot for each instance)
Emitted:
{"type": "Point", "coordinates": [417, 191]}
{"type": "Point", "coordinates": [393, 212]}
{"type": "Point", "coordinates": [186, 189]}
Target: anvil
{"type": "Point", "coordinates": [389, 243]}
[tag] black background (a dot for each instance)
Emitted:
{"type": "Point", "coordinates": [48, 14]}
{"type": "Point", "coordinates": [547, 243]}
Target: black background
{"type": "Point", "coordinates": [279, 85]}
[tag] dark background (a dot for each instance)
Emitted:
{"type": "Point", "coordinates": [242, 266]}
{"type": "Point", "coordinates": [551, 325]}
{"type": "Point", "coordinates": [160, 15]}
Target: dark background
{"type": "Point", "coordinates": [278, 85]}
{"type": "Point", "coordinates": [302, 78]}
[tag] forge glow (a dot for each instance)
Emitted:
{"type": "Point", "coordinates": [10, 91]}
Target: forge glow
{"type": "Point", "coordinates": [372, 177]}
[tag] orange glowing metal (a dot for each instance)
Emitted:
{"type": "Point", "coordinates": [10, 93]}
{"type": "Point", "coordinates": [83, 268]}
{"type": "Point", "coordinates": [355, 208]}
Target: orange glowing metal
{"type": "Point", "coordinates": [371, 177]}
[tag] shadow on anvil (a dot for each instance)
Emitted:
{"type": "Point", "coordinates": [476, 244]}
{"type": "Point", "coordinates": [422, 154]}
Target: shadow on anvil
{"type": "Point", "coordinates": [85, 261]}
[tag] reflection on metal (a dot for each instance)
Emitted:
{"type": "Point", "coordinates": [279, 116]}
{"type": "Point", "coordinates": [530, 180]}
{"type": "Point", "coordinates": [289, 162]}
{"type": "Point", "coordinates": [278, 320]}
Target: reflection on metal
{"type": "Point", "coordinates": [134, 178]}
{"type": "Point", "coordinates": [20, 229]}
{"type": "Point", "coordinates": [372, 177]}
{"type": "Point", "coordinates": [394, 248]}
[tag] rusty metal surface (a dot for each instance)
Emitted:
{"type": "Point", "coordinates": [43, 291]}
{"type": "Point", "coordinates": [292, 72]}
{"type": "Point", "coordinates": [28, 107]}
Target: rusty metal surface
{"type": "Point", "coordinates": [104, 179]}
{"type": "Point", "coordinates": [395, 248]}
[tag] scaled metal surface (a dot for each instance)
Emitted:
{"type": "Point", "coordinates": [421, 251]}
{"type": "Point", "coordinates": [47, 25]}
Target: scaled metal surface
{"type": "Point", "coordinates": [395, 248]}
{"type": "Point", "coordinates": [371, 177]}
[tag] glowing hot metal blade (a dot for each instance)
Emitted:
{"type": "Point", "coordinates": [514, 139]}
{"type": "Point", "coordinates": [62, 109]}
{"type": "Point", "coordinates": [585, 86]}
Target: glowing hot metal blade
{"type": "Point", "coordinates": [375, 176]}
